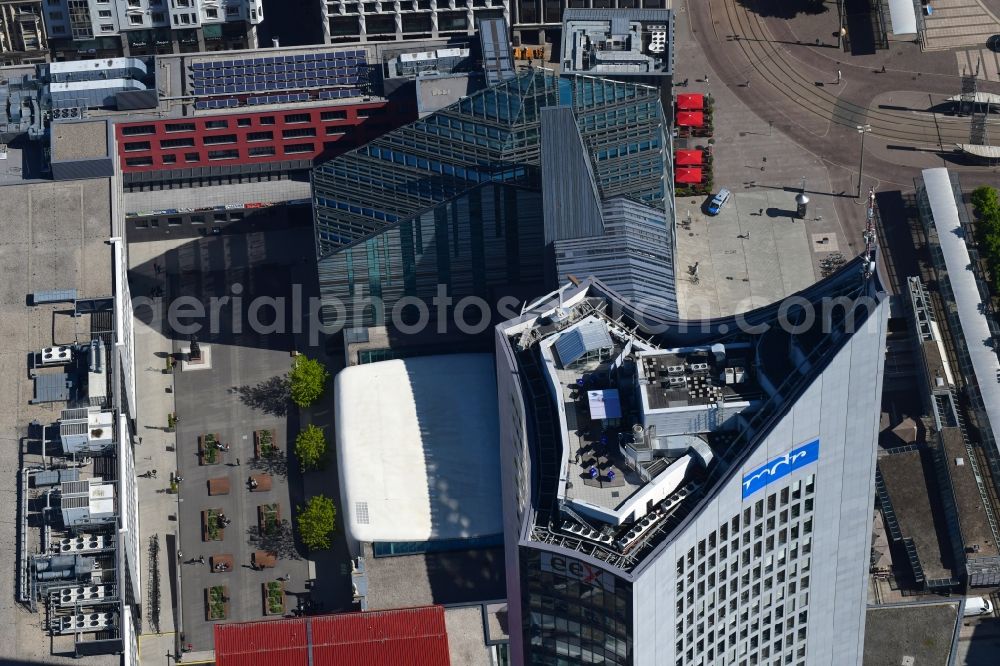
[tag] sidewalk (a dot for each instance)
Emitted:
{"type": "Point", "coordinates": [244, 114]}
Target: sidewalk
{"type": "Point", "coordinates": [157, 508]}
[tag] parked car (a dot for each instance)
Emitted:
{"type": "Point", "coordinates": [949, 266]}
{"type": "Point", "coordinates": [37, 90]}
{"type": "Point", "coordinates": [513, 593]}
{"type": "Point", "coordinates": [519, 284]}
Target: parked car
{"type": "Point", "coordinates": [718, 201]}
{"type": "Point", "coordinates": [978, 606]}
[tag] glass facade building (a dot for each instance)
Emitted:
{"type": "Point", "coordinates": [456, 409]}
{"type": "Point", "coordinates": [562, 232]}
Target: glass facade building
{"type": "Point", "coordinates": [719, 511]}
{"type": "Point", "coordinates": [455, 199]}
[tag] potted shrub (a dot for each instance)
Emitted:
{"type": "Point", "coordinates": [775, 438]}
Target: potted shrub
{"type": "Point", "coordinates": [212, 527]}
{"type": "Point", "coordinates": [269, 518]}
{"type": "Point", "coordinates": [274, 597]}
{"type": "Point", "coordinates": [217, 602]}
{"type": "Point", "coordinates": [265, 445]}
{"type": "Point", "coordinates": [208, 447]}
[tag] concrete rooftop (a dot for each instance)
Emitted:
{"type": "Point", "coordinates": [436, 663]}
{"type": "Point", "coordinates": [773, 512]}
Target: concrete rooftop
{"type": "Point", "coordinates": [79, 141]}
{"type": "Point", "coordinates": [52, 236]}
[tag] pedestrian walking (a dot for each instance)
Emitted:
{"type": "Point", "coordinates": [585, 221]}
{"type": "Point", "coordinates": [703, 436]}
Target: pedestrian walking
{"type": "Point", "coordinates": [706, 78]}
{"type": "Point", "coordinates": [748, 83]}
{"type": "Point", "coordinates": [201, 559]}
{"type": "Point", "coordinates": [838, 76]}
{"type": "Point", "coordinates": [883, 69]}
{"type": "Point", "coordinates": [237, 462]}
{"type": "Point", "coordinates": [760, 212]}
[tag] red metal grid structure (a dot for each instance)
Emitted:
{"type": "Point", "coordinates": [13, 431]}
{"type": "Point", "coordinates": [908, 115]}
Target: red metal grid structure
{"type": "Point", "coordinates": [405, 637]}
{"type": "Point", "coordinates": [246, 136]}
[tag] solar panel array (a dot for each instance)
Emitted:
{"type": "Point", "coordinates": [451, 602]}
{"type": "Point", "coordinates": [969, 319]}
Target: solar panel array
{"type": "Point", "coordinates": [218, 104]}
{"type": "Point", "coordinates": [253, 75]}
{"type": "Point", "coordinates": [336, 94]}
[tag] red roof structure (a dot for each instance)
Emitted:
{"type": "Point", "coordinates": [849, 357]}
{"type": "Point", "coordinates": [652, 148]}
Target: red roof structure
{"type": "Point", "coordinates": [688, 158]}
{"type": "Point", "coordinates": [687, 175]}
{"type": "Point", "coordinates": [691, 102]}
{"type": "Point", "coordinates": [405, 637]}
{"type": "Point", "coordinates": [690, 118]}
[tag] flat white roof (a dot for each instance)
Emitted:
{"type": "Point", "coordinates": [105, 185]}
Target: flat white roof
{"type": "Point", "coordinates": [903, 15]}
{"type": "Point", "coordinates": [93, 64]}
{"type": "Point", "coordinates": [418, 448]}
{"type": "Point", "coordinates": [975, 328]}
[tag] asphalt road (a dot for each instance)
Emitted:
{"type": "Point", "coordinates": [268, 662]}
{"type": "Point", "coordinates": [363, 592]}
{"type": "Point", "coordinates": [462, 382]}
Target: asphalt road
{"type": "Point", "coordinates": [793, 83]}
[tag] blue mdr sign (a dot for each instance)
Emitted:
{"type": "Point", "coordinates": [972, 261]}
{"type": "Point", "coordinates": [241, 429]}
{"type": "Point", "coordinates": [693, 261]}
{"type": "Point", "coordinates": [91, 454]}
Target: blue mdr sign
{"type": "Point", "coordinates": [780, 467]}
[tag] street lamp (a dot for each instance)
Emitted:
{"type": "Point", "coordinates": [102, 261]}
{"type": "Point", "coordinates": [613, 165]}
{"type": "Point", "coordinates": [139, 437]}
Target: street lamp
{"type": "Point", "coordinates": [862, 130]}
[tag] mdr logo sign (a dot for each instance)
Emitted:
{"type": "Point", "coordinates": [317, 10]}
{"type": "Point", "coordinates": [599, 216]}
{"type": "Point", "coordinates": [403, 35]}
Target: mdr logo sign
{"type": "Point", "coordinates": [780, 467]}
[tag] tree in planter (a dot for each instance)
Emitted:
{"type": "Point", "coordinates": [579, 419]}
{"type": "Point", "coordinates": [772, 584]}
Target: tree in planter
{"type": "Point", "coordinates": [308, 379]}
{"type": "Point", "coordinates": [310, 448]}
{"type": "Point", "coordinates": [317, 520]}
{"type": "Point", "coordinates": [267, 447]}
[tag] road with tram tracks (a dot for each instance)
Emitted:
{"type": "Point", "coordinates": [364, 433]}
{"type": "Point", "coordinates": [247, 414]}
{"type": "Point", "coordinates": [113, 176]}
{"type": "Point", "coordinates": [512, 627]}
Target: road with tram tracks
{"type": "Point", "coordinates": [792, 87]}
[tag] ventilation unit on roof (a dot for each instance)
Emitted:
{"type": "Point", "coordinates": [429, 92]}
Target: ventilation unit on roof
{"type": "Point", "coordinates": [675, 369]}
{"type": "Point", "coordinates": [699, 367]}
{"type": "Point", "coordinates": [57, 355]}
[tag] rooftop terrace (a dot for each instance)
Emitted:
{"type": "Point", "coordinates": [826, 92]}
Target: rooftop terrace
{"type": "Point", "coordinates": [637, 420]}
{"type": "Point", "coordinates": [622, 42]}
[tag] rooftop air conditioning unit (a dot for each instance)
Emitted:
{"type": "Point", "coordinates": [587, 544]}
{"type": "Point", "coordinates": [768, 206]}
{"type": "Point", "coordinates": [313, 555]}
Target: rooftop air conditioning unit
{"type": "Point", "coordinates": [57, 355]}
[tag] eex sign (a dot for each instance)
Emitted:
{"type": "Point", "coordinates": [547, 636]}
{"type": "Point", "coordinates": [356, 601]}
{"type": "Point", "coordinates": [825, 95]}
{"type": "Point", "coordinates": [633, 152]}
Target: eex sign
{"type": "Point", "coordinates": [780, 467]}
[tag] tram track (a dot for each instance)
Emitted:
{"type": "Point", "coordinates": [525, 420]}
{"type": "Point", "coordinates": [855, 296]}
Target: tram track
{"type": "Point", "coordinates": [772, 64]}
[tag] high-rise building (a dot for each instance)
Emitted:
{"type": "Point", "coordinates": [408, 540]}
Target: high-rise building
{"type": "Point", "coordinates": [409, 19]}
{"type": "Point", "coordinates": [236, 116]}
{"type": "Point", "coordinates": [22, 33]}
{"type": "Point", "coordinates": [691, 492]}
{"type": "Point", "coordinates": [88, 28]}
{"type": "Point", "coordinates": [531, 21]}
{"type": "Point", "coordinates": [537, 22]}
{"type": "Point", "coordinates": [475, 197]}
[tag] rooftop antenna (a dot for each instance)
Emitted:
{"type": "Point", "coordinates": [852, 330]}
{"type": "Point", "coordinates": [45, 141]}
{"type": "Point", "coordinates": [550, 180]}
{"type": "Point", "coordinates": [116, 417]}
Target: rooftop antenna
{"type": "Point", "coordinates": [560, 313]}
{"type": "Point", "coordinates": [869, 236]}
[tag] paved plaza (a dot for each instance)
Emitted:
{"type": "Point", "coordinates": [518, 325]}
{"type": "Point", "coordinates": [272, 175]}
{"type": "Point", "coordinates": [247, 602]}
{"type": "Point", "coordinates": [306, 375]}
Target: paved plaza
{"type": "Point", "coordinates": [212, 399]}
{"type": "Point", "coordinates": [756, 250]}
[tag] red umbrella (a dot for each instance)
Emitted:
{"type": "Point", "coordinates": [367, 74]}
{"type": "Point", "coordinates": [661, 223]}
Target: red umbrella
{"type": "Point", "coordinates": [691, 102]}
{"type": "Point", "coordinates": [688, 158]}
{"type": "Point", "coordinates": [687, 175]}
{"type": "Point", "coordinates": [690, 118]}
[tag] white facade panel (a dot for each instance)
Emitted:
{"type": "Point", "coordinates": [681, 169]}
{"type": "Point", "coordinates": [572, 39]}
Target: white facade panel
{"type": "Point", "coordinates": [840, 408]}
